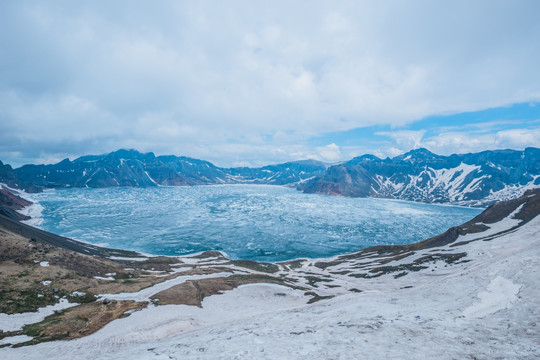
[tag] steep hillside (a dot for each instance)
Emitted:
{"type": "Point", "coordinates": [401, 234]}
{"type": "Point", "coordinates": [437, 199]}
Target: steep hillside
{"type": "Point", "coordinates": [419, 175]}
{"type": "Point", "coordinates": [10, 203]}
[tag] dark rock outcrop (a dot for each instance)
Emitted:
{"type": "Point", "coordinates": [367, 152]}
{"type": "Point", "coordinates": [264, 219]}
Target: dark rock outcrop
{"type": "Point", "coordinates": [10, 203]}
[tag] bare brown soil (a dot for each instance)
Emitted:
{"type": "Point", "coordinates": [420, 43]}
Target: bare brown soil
{"type": "Point", "coordinates": [192, 292]}
{"type": "Point", "coordinates": [79, 321]}
{"type": "Point", "coordinates": [23, 279]}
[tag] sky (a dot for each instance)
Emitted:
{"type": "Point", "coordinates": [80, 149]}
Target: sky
{"type": "Point", "coordinates": [259, 82]}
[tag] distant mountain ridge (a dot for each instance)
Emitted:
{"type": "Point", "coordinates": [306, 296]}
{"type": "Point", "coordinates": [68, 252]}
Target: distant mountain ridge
{"type": "Point", "coordinates": [477, 179]}
{"type": "Point", "coordinates": [132, 168]}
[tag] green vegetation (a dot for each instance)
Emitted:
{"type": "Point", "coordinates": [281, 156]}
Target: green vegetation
{"type": "Point", "coordinates": [82, 299]}
{"type": "Point", "coordinates": [28, 300]}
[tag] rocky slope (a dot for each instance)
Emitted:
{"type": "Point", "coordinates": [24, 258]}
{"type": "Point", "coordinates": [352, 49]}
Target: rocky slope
{"type": "Point", "coordinates": [10, 203]}
{"type": "Point", "coordinates": [471, 179]}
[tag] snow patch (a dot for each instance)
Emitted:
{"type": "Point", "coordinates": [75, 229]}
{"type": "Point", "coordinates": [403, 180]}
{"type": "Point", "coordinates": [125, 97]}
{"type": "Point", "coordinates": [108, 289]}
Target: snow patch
{"type": "Point", "coordinates": [15, 339]}
{"type": "Point", "coordinates": [16, 322]}
{"type": "Point", "coordinates": [104, 278]}
{"type": "Point", "coordinates": [499, 295]}
{"type": "Point", "coordinates": [127, 258]}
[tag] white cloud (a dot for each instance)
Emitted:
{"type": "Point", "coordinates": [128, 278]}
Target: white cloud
{"type": "Point", "coordinates": [404, 139]}
{"type": "Point", "coordinates": [330, 153]}
{"type": "Point", "coordinates": [196, 78]}
{"type": "Point", "coordinates": [453, 142]}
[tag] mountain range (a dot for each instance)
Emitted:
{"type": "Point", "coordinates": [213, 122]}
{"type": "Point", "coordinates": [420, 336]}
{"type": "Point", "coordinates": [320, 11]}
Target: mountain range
{"type": "Point", "coordinates": [477, 179]}
{"type": "Point", "coordinates": [132, 168]}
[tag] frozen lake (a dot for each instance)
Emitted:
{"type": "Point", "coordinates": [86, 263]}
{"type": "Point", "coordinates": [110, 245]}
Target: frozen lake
{"type": "Point", "coordinates": [264, 223]}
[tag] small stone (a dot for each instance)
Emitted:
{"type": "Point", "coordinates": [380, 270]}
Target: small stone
{"type": "Point", "coordinates": [106, 301]}
{"type": "Point", "coordinates": [56, 291]}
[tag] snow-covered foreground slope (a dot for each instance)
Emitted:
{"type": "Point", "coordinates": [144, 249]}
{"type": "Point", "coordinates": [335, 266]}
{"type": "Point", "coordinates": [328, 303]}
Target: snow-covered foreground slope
{"type": "Point", "coordinates": [482, 304]}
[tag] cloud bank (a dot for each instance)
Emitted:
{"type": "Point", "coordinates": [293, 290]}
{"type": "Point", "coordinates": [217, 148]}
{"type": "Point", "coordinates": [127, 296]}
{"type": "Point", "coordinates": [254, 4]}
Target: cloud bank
{"type": "Point", "coordinates": [242, 81]}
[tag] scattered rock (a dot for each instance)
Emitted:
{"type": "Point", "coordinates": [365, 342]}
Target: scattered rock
{"type": "Point", "coordinates": [106, 301]}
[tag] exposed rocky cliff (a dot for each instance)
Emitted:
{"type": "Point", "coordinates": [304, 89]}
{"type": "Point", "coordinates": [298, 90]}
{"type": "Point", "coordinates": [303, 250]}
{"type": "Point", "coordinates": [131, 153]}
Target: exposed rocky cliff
{"type": "Point", "coordinates": [10, 203]}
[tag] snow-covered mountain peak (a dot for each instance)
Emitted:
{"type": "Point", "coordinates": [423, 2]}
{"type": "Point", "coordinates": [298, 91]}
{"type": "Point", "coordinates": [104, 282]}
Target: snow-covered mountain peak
{"type": "Point", "coordinates": [419, 175]}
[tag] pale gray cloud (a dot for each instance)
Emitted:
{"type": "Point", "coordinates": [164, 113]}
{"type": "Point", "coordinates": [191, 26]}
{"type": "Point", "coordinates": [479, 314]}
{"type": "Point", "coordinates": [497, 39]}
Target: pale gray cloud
{"type": "Point", "coordinates": [241, 81]}
{"type": "Point", "coordinates": [328, 153]}
{"type": "Point", "coordinates": [451, 142]}
{"type": "Point", "coordinates": [404, 139]}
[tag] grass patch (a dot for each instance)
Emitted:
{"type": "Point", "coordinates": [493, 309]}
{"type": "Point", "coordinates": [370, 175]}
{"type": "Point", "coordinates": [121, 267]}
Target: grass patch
{"type": "Point", "coordinates": [192, 292]}
{"type": "Point", "coordinates": [28, 300]}
{"type": "Point", "coordinates": [77, 321]}
{"type": "Point", "coordinates": [295, 264]}
{"type": "Point", "coordinates": [257, 266]}
{"type": "Point", "coordinates": [82, 299]}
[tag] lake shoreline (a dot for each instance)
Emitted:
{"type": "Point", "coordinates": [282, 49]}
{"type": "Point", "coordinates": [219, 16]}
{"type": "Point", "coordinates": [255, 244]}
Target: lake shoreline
{"type": "Point", "coordinates": [252, 222]}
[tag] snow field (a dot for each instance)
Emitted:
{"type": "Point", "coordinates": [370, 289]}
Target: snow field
{"type": "Point", "coordinates": [486, 308]}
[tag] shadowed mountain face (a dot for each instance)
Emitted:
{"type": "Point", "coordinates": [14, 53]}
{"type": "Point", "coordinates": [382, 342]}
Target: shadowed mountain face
{"type": "Point", "coordinates": [471, 179]}
{"type": "Point", "coordinates": [419, 175]}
